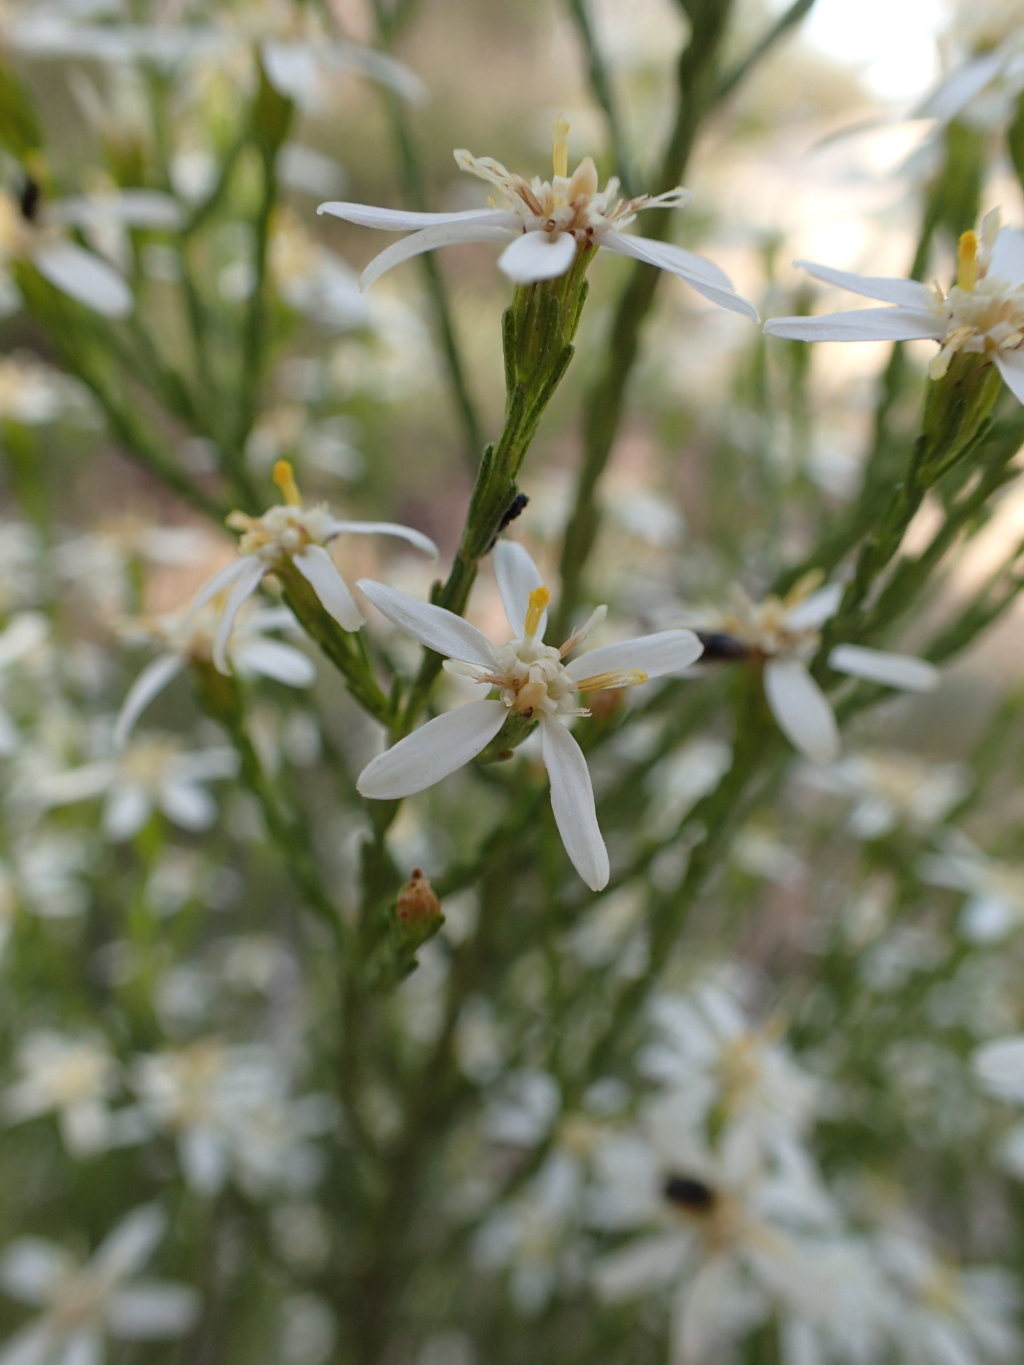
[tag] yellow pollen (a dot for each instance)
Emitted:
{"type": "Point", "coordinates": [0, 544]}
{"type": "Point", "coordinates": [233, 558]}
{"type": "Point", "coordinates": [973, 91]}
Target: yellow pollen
{"type": "Point", "coordinates": [560, 147]}
{"type": "Point", "coordinates": [967, 261]}
{"type": "Point", "coordinates": [620, 677]}
{"type": "Point", "coordinates": [284, 477]}
{"type": "Point", "coordinates": [539, 599]}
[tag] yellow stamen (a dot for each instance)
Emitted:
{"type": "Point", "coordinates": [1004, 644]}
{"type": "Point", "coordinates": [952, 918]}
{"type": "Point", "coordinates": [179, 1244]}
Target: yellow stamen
{"type": "Point", "coordinates": [539, 599]}
{"type": "Point", "coordinates": [560, 147]}
{"type": "Point", "coordinates": [284, 477]}
{"type": "Point", "coordinates": [967, 261]}
{"type": "Point", "coordinates": [620, 677]}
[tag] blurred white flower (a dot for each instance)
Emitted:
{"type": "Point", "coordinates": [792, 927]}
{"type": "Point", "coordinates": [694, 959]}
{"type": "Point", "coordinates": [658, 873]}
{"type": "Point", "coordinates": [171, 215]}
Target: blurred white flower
{"type": "Point", "coordinates": [49, 866]}
{"type": "Point", "coordinates": [32, 393]}
{"type": "Point", "coordinates": [104, 559]}
{"type": "Point", "coordinates": [784, 634]}
{"type": "Point", "coordinates": [84, 1303]}
{"type": "Point", "coordinates": [721, 1065]}
{"type": "Point", "coordinates": [985, 49]}
{"type": "Point", "coordinates": [189, 638]}
{"type": "Point", "coordinates": [944, 1313]}
{"type": "Point", "coordinates": [230, 1112]}
{"type": "Point", "coordinates": [314, 280]}
{"type": "Point", "coordinates": [983, 313]}
{"type": "Point", "coordinates": [297, 535]}
{"type": "Point", "coordinates": [23, 635]}
{"type": "Point", "coordinates": [297, 50]}
{"type": "Point", "coordinates": [37, 236]}
{"type": "Point", "coordinates": [530, 1236]}
{"type": "Point", "coordinates": [739, 1243]}
{"type": "Point", "coordinates": [893, 789]}
{"type": "Point", "coordinates": [152, 773]}
{"type": "Point", "coordinates": [533, 683]}
{"type": "Point", "coordinates": [544, 226]}
{"type": "Point", "coordinates": [995, 890]}
{"type": "Point", "coordinates": [72, 1076]}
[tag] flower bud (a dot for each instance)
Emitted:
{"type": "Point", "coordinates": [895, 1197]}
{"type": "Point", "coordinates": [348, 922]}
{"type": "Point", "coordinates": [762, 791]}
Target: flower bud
{"type": "Point", "coordinates": [417, 906]}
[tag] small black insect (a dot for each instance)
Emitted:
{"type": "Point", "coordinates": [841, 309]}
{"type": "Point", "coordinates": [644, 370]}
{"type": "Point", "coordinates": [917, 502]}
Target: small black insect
{"type": "Point", "coordinates": [689, 1193]}
{"type": "Point", "coordinates": [514, 509]}
{"type": "Point", "coordinates": [720, 648]}
{"type": "Point", "coordinates": [28, 200]}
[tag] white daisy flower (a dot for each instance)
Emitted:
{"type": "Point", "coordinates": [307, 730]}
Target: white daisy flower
{"type": "Point", "coordinates": [982, 314]}
{"type": "Point", "coordinates": [84, 1303]}
{"type": "Point", "coordinates": [532, 683]}
{"type": "Point", "coordinates": [544, 225]}
{"type": "Point", "coordinates": [784, 634]}
{"type": "Point", "coordinates": [151, 774]}
{"type": "Point", "coordinates": [188, 638]}
{"type": "Point", "coordinates": [71, 1076]}
{"type": "Point", "coordinates": [296, 535]}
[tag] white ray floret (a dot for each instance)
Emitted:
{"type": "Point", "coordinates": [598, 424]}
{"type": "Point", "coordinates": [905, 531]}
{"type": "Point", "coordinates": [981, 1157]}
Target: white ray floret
{"type": "Point", "coordinates": [292, 534]}
{"type": "Point", "coordinates": [982, 314]}
{"type": "Point", "coordinates": [785, 633]}
{"type": "Point", "coordinates": [984, 50]}
{"type": "Point", "coordinates": [543, 225]}
{"type": "Point", "coordinates": [532, 682]}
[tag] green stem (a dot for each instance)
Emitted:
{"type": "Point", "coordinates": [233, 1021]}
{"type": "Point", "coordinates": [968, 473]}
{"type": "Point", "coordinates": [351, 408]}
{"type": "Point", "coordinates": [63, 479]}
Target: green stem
{"type": "Point", "coordinates": [601, 85]}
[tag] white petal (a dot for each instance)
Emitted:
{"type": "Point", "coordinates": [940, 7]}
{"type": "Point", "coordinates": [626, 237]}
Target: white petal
{"type": "Point", "coordinates": [150, 1312]}
{"type": "Point", "coordinates": [84, 1348]}
{"type": "Point", "coordinates": [150, 682]}
{"type": "Point", "coordinates": [203, 1160]}
{"type": "Point", "coordinates": [698, 273]}
{"type": "Point", "coordinates": [188, 805]}
{"type": "Point", "coordinates": [403, 220]}
{"type": "Point", "coordinates": [386, 528]}
{"type": "Point", "coordinates": [78, 784]}
{"type": "Point", "coordinates": [378, 66]}
{"type": "Point", "coordinates": [801, 709]}
{"type": "Point", "coordinates": [894, 670]}
{"type": "Point", "coordinates": [959, 88]}
{"type": "Point", "coordinates": [433, 751]}
{"type": "Point", "coordinates": [85, 277]}
{"type": "Point", "coordinates": [247, 580]}
{"type": "Point", "coordinates": [639, 1267]}
{"type": "Point", "coordinates": [860, 324]}
{"type": "Point", "coordinates": [319, 570]}
{"type": "Point", "coordinates": [670, 651]}
{"type": "Point", "coordinates": [292, 70]}
{"type": "Point", "coordinates": [999, 1065]}
{"type": "Point", "coordinates": [127, 1249]}
{"type": "Point", "coordinates": [1008, 255]}
{"type": "Point", "coordinates": [29, 1269]}
{"type": "Point", "coordinates": [1011, 367]}
{"type": "Point", "coordinates": [816, 609]}
{"type": "Point", "coordinates": [222, 579]}
{"type": "Point", "coordinates": [435, 627]}
{"type": "Point", "coordinates": [909, 293]}
{"type": "Point", "coordinates": [988, 919]}
{"type": "Point", "coordinates": [130, 208]}
{"type": "Point", "coordinates": [537, 256]}
{"type": "Point", "coordinates": [429, 239]}
{"type": "Point", "coordinates": [33, 1345]}
{"type": "Point", "coordinates": [273, 659]}
{"type": "Point", "coordinates": [572, 800]}
{"type": "Point", "coordinates": [24, 633]}
{"type": "Point", "coordinates": [517, 577]}
{"type": "Point", "coordinates": [126, 810]}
